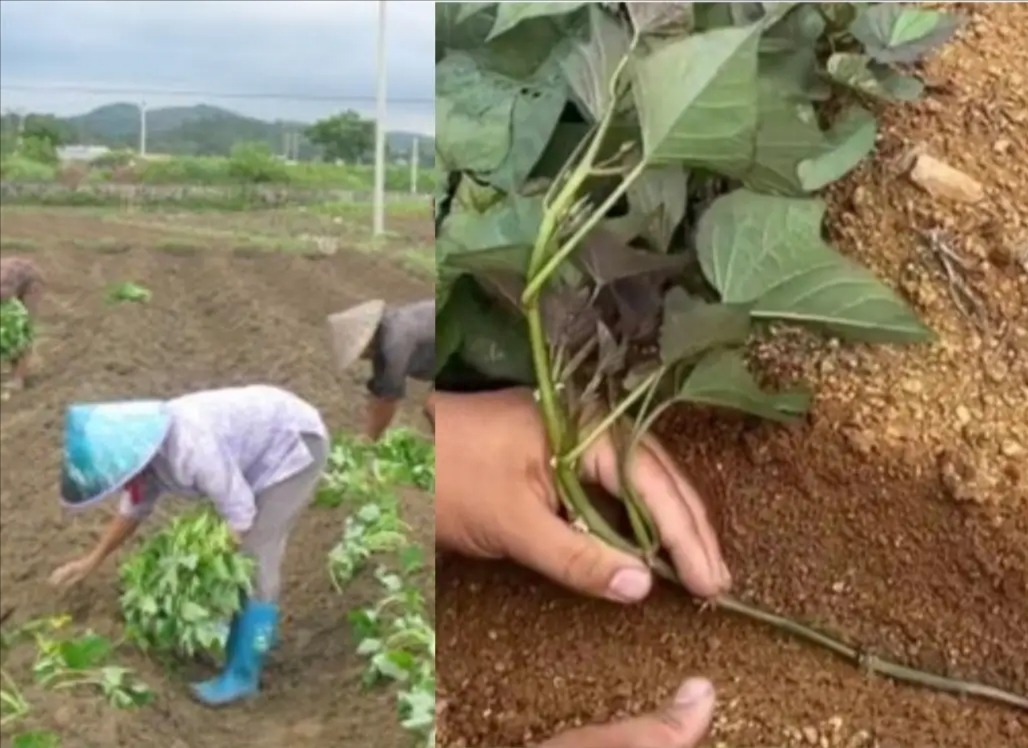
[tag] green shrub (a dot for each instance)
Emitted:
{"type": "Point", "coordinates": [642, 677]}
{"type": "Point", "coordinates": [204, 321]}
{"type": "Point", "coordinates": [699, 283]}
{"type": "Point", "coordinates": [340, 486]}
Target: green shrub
{"type": "Point", "coordinates": [17, 168]}
{"type": "Point", "coordinates": [39, 149]}
{"type": "Point", "coordinates": [254, 163]}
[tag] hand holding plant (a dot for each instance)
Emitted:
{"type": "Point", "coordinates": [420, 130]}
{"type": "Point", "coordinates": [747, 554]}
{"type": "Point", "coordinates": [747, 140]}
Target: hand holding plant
{"type": "Point", "coordinates": [498, 439]}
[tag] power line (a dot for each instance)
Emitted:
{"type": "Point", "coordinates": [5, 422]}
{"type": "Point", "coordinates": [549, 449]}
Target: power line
{"type": "Point", "coordinates": [107, 91]}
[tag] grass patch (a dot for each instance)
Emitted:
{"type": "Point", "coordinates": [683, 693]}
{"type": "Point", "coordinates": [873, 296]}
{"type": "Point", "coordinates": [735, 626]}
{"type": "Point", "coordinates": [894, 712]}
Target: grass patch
{"type": "Point", "coordinates": [415, 207]}
{"type": "Point", "coordinates": [18, 245]}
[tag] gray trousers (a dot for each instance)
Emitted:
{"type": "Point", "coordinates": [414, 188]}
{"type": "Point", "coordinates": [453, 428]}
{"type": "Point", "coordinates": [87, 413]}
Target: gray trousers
{"type": "Point", "coordinates": [278, 508]}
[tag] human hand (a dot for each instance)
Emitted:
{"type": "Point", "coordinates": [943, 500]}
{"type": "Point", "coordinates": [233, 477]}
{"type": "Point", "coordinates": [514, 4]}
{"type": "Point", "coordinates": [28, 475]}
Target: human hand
{"type": "Point", "coordinates": [72, 572]}
{"type": "Point", "coordinates": [495, 498]}
{"type": "Point", "coordinates": [681, 724]}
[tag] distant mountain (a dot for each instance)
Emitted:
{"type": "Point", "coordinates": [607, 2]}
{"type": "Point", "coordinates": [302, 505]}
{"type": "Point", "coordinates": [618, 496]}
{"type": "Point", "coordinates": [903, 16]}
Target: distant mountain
{"type": "Point", "coordinates": [204, 130]}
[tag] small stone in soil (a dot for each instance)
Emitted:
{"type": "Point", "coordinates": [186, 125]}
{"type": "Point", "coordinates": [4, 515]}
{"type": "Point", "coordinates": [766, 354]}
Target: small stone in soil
{"type": "Point", "coordinates": [941, 180]}
{"type": "Point", "coordinates": [1011, 448]}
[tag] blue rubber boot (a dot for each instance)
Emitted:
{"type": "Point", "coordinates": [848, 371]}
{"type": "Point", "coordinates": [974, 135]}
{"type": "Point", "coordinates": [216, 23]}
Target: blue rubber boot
{"type": "Point", "coordinates": [233, 631]}
{"type": "Point", "coordinates": [253, 631]}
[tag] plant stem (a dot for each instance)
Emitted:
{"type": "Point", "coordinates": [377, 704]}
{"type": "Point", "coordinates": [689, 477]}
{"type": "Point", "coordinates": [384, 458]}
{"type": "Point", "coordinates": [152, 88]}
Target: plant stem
{"type": "Point", "coordinates": [538, 279]}
{"type": "Point", "coordinates": [858, 657]}
{"type": "Point", "coordinates": [75, 682]}
{"type": "Point", "coordinates": [872, 663]}
{"type": "Point", "coordinates": [552, 415]}
{"type": "Point", "coordinates": [573, 456]}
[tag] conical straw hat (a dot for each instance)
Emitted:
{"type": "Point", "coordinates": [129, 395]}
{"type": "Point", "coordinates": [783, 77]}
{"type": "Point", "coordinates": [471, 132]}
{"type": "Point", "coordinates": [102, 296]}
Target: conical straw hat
{"type": "Point", "coordinates": [352, 331]}
{"type": "Point", "coordinates": [107, 444]}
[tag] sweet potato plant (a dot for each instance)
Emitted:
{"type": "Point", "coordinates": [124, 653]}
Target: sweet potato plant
{"type": "Point", "coordinates": [396, 634]}
{"type": "Point", "coordinates": [630, 196]}
{"type": "Point", "coordinates": [16, 330]}
{"type": "Point", "coordinates": [181, 588]}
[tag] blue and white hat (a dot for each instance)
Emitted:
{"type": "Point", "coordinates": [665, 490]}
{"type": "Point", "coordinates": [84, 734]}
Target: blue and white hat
{"type": "Point", "coordinates": [107, 444]}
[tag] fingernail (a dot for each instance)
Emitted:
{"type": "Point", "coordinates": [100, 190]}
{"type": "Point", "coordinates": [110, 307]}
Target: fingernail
{"type": "Point", "coordinates": [693, 691]}
{"type": "Point", "coordinates": [630, 585]}
{"type": "Point", "coordinates": [726, 576]}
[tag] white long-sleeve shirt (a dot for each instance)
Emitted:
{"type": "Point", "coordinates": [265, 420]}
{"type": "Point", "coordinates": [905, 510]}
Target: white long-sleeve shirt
{"type": "Point", "coordinates": [228, 445]}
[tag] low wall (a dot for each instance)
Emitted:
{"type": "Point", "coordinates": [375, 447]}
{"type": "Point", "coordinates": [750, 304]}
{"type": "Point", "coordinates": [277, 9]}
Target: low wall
{"type": "Point", "coordinates": [105, 192]}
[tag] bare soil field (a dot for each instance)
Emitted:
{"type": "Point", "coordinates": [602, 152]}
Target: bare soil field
{"type": "Point", "coordinates": [318, 230]}
{"type": "Point", "coordinates": [895, 517]}
{"type": "Point", "coordinates": [216, 318]}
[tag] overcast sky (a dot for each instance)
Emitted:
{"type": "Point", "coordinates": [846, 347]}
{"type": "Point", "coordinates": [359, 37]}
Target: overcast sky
{"type": "Point", "coordinates": [318, 48]}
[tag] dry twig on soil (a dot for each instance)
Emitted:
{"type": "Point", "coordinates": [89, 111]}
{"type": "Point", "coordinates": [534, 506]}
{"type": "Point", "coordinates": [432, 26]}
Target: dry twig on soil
{"type": "Point", "coordinates": [956, 267]}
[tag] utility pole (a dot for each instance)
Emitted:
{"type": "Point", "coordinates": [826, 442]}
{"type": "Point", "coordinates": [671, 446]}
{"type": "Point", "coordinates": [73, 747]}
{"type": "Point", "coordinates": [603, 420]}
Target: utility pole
{"type": "Point", "coordinates": [414, 166]}
{"type": "Point", "coordinates": [380, 133]}
{"type": "Point", "coordinates": [142, 129]}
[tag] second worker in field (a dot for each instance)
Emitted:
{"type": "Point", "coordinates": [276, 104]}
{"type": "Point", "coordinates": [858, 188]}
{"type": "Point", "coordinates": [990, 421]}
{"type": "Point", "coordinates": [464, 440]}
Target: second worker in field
{"type": "Point", "coordinates": [400, 343]}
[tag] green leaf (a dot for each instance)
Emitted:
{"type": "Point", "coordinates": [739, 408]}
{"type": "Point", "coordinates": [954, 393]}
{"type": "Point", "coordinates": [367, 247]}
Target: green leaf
{"type": "Point", "coordinates": [697, 99]}
{"type": "Point", "coordinates": [768, 251]}
{"type": "Point", "coordinates": [474, 108]}
{"type": "Point", "coordinates": [660, 195]}
{"type": "Point", "coordinates": [493, 341]}
{"type": "Point", "coordinates": [692, 326]}
{"type": "Point", "coordinates": [721, 379]}
{"type": "Point", "coordinates": [788, 135]}
{"type": "Point", "coordinates": [467, 10]}
{"type": "Point", "coordinates": [447, 338]}
{"type": "Point", "coordinates": [859, 73]}
{"type": "Point", "coordinates": [477, 197]}
{"type": "Point", "coordinates": [462, 26]}
{"type": "Point", "coordinates": [797, 28]}
{"type": "Point", "coordinates": [128, 291]}
{"type": "Point", "coordinates": [510, 14]}
{"type": "Point", "coordinates": [444, 278]}
{"type": "Point", "coordinates": [849, 142]}
{"type": "Point", "coordinates": [898, 33]}
{"type": "Point", "coordinates": [538, 105]}
{"type": "Point", "coordinates": [589, 66]}
{"type": "Point", "coordinates": [661, 19]}
{"type": "Point", "coordinates": [838, 15]}
{"type": "Point", "coordinates": [85, 652]}
{"type": "Point", "coordinates": [709, 16]}
{"type": "Point", "coordinates": [608, 259]}
{"type": "Point", "coordinates": [191, 612]}
{"type": "Point", "coordinates": [744, 14]}
{"type": "Point", "coordinates": [36, 739]}
{"type": "Point", "coordinates": [497, 239]}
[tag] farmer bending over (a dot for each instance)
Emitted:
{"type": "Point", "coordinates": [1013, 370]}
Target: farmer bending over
{"type": "Point", "coordinates": [257, 452]}
{"type": "Point", "coordinates": [497, 439]}
{"type": "Point", "coordinates": [400, 343]}
{"type": "Point", "coordinates": [20, 279]}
